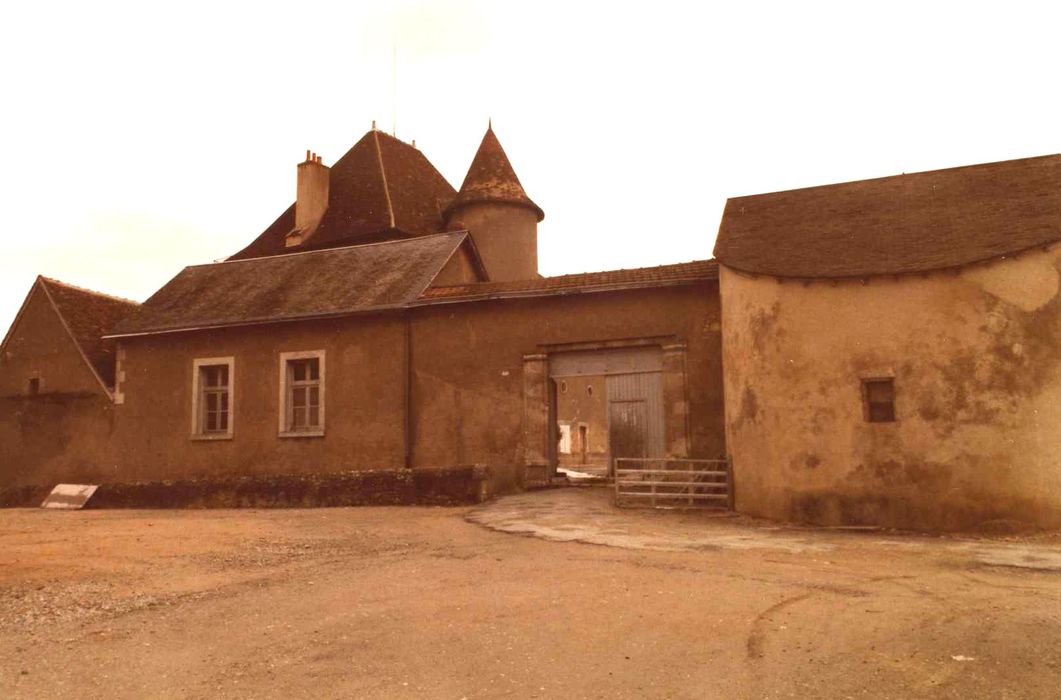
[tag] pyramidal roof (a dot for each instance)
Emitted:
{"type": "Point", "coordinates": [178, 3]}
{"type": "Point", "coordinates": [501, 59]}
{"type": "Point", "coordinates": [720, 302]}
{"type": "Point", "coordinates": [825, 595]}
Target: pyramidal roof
{"type": "Point", "coordinates": [381, 189]}
{"type": "Point", "coordinates": [492, 179]}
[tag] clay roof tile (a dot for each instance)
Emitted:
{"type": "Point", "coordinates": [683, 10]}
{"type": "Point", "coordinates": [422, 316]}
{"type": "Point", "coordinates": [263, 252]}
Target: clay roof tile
{"type": "Point", "coordinates": [492, 179]}
{"type": "Point", "coordinates": [896, 225]}
{"type": "Point", "coordinates": [90, 315]}
{"type": "Point", "coordinates": [381, 189]}
{"type": "Point", "coordinates": [663, 275]}
{"type": "Point", "coordinates": [301, 285]}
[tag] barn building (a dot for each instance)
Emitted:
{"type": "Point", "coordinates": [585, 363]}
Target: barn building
{"type": "Point", "coordinates": [384, 322]}
{"type": "Point", "coordinates": [57, 413]}
{"type": "Point", "coordinates": [892, 348]}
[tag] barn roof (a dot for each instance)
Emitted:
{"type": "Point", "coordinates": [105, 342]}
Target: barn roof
{"type": "Point", "coordinates": [312, 284]}
{"type": "Point", "coordinates": [87, 316]}
{"type": "Point", "coordinates": [491, 178]}
{"type": "Point", "coordinates": [661, 276]}
{"type": "Point", "coordinates": [90, 315]}
{"type": "Point", "coordinates": [894, 225]}
{"type": "Point", "coordinates": [382, 188]}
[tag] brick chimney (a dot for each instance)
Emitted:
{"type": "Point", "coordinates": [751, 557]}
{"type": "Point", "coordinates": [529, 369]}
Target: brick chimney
{"type": "Point", "coordinates": [311, 198]}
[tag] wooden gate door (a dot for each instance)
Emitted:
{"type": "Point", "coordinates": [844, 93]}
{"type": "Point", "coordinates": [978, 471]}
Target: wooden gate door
{"type": "Point", "coordinates": [627, 430]}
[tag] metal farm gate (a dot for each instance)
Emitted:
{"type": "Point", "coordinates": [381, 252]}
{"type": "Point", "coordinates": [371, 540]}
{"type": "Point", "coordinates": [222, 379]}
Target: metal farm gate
{"type": "Point", "coordinates": [673, 483]}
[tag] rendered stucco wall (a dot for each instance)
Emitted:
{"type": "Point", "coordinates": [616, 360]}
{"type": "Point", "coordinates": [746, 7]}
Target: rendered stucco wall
{"type": "Point", "coordinates": [57, 437]}
{"type": "Point", "coordinates": [480, 370]}
{"type": "Point", "coordinates": [469, 403]}
{"type": "Point", "coordinates": [976, 360]}
{"type": "Point", "coordinates": [40, 346]}
{"type": "Point", "coordinates": [458, 270]}
{"type": "Point", "coordinates": [363, 395]}
{"type": "Point", "coordinates": [506, 236]}
{"type": "Point", "coordinates": [64, 432]}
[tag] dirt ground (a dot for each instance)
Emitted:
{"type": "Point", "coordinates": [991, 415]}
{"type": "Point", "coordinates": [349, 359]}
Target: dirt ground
{"type": "Point", "coordinates": [550, 595]}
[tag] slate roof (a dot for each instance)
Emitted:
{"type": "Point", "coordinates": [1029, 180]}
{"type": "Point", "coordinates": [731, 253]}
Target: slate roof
{"type": "Point", "coordinates": [491, 178]}
{"type": "Point", "coordinates": [894, 225]}
{"type": "Point", "coordinates": [662, 276]}
{"type": "Point", "coordinates": [314, 284]}
{"type": "Point", "coordinates": [89, 316]}
{"type": "Point", "coordinates": [381, 189]}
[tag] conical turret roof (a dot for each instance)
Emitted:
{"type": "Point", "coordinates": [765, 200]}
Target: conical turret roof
{"type": "Point", "coordinates": [492, 179]}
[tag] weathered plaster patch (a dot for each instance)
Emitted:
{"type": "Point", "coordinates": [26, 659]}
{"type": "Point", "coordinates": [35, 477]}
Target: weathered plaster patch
{"type": "Point", "coordinates": [763, 326]}
{"type": "Point", "coordinates": [905, 472]}
{"type": "Point", "coordinates": [1028, 283]}
{"type": "Point", "coordinates": [976, 382]}
{"type": "Point", "coordinates": [749, 407]}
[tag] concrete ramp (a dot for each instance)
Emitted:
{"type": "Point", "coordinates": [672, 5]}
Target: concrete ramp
{"type": "Point", "coordinates": [69, 496]}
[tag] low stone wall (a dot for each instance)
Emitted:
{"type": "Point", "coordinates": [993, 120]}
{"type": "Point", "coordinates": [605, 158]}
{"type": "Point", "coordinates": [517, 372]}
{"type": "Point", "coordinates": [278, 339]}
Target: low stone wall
{"type": "Point", "coordinates": [433, 486]}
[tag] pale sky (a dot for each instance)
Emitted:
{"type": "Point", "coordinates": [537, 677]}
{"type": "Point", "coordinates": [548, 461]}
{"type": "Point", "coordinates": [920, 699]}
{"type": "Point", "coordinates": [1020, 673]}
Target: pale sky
{"type": "Point", "coordinates": [138, 137]}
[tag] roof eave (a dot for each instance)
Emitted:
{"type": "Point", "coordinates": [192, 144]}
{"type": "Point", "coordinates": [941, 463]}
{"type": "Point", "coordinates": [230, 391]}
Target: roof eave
{"type": "Point", "coordinates": [461, 201]}
{"type": "Point", "coordinates": [892, 273]}
{"type": "Point", "coordinates": [261, 321]}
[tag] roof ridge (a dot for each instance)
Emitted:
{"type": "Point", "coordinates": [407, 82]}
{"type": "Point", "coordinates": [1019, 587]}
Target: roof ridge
{"type": "Point", "coordinates": [86, 290]}
{"type": "Point", "coordinates": [902, 174]}
{"type": "Point", "coordinates": [631, 269]}
{"type": "Point", "coordinates": [383, 176]}
{"type": "Point", "coordinates": [392, 137]}
{"type": "Point", "coordinates": [391, 241]}
{"type": "Point", "coordinates": [556, 278]}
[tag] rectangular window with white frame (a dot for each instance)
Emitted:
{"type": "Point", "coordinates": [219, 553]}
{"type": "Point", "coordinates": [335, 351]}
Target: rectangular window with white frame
{"type": "Point", "coordinates": [213, 403]}
{"type": "Point", "coordinates": [302, 394]}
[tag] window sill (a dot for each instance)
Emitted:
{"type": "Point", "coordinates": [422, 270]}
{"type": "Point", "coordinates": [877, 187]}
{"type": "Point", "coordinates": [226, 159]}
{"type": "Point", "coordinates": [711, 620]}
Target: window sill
{"type": "Point", "coordinates": [302, 434]}
{"type": "Point", "coordinates": [208, 437]}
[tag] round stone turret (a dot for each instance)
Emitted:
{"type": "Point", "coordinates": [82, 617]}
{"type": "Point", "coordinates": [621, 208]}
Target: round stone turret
{"type": "Point", "coordinates": [502, 219]}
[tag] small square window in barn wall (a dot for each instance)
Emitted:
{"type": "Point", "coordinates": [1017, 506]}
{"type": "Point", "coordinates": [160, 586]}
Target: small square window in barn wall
{"type": "Point", "coordinates": [878, 399]}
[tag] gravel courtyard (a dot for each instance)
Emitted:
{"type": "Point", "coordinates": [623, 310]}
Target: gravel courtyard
{"type": "Point", "coordinates": [552, 594]}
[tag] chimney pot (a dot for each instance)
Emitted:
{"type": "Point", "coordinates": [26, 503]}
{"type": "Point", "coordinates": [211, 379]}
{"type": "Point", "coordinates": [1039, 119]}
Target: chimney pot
{"type": "Point", "coordinates": [311, 198]}
{"type": "Point", "coordinates": [307, 154]}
